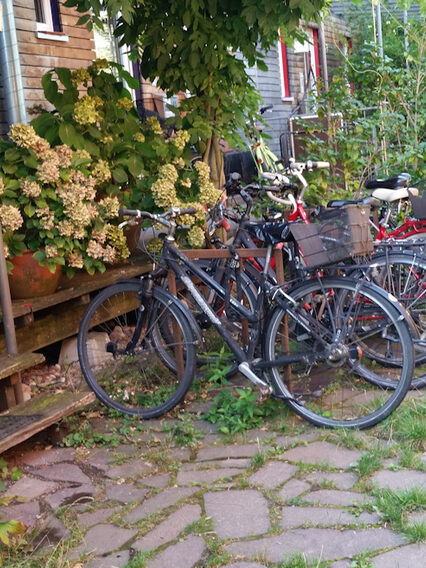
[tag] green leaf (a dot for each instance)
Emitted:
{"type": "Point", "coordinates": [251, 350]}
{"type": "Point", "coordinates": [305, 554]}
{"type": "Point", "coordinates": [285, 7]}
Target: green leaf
{"type": "Point", "coordinates": [68, 134]}
{"type": "Point", "coordinates": [10, 527]}
{"type": "Point", "coordinates": [29, 210]}
{"type": "Point", "coordinates": [64, 75]}
{"type": "Point", "coordinates": [12, 155]}
{"type": "Point", "coordinates": [83, 20]}
{"type": "Point", "coordinates": [135, 165]}
{"type": "Point", "coordinates": [31, 162]}
{"type": "Point", "coordinates": [50, 87]}
{"type": "Point", "coordinates": [39, 255]}
{"type": "Point", "coordinates": [119, 175]}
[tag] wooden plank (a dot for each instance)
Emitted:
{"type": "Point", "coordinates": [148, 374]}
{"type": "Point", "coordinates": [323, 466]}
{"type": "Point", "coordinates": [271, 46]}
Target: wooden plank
{"type": "Point", "coordinates": [51, 47]}
{"type": "Point", "coordinates": [47, 409]}
{"type": "Point", "coordinates": [11, 364]}
{"type": "Point", "coordinates": [79, 285]}
{"type": "Point", "coordinates": [224, 253]}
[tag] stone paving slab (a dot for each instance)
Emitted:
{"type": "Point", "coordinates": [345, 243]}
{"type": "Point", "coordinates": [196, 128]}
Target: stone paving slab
{"type": "Point", "coordinates": [169, 529]}
{"type": "Point", "coordinates": [160, 501]}
{"type": "Point", "coordinates": [161, 480]}
{"type": "Point", "coordinates": [245, 565]}
{"type": "Point", "coordinates": [102, 539]}
{"type": "Point", "coordinates": [125, 493]}
{"type": "Point", "coordinates": [118, 560]}
{"type": "Point", "coordinates": [327, 544]}
{"type": "Point", "coordinates": [30, 488]}
{"type": "Point", "coordinates": [95, 517]}
{"type": "Point", "coordinates": [64, 472]}
{"type": "Point", "coordinates": [130, 470]}
{"type": "Point", "coordinates": [184, 554]}
{"type": "Point", "coordinates": [223, 452]}
{"type": "Point", "coordinates": [293, 517]}
{"type": "Point", "coordinates": [242, 463]}
{"type": "Point", "coordinates": [340, 480]}
{"type": "Point", "coordinates": [237, 514]}
{"type": "Point", "coordinates": [81, 494]}
{"type": "Point", "coordinates": [26, 513]}
{"type": "Point", "coordinates": [410, 556]}
{"type": "Point", "coordinates": [336, 497]}
{"type": "Point", "coordinates": [36, 458]}
{"type": "Point", "coordinates": [399, 480]}
{"type": "Point", "coordinates": [293, 488]}
{"type": "Point", "coordinates": [273, 474]}
{"type": "Point", "coordinates": [205, 475]}
{"type": "Point", "coordinates": [323, 453]}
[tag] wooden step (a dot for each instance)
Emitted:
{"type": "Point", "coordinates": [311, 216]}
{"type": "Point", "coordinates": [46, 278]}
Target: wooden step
{"type": "Point", "coordinates": [11, 364]}
{"type": "Point", "coordinates": [26, 419]}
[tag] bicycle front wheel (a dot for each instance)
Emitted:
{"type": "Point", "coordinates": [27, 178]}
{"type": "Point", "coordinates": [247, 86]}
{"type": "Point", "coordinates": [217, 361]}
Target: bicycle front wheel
{"type": "Point", "coordinates": [327, 329]}
{"type": "Point", "coordinates": [136, 353]}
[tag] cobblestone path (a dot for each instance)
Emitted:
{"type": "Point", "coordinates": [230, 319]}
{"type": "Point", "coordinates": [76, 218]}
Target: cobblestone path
{"type": "Point", "coordinates": [246, 504]}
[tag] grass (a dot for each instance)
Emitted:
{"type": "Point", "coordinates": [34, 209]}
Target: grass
{"type": "Point", "coordinates": [407, 425]}
{"type": "Point", "coordinates": [299, 560]}
{"type": "Point", "coordinates": [395, 507]}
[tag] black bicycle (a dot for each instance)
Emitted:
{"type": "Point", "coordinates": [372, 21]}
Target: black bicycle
{"type": "Point", "coordinates": [137, 343]}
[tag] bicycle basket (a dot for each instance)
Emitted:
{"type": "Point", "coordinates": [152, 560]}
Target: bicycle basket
{"type": "Point", "coordinates": [334, 235]}
{"type": "Point", "coordinates": [419, 205]}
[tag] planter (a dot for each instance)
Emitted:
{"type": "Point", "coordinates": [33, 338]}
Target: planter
{"type": "Point", "coordinates": [132, 233]}
{"type": "Point", "coordinates": [30, 280]}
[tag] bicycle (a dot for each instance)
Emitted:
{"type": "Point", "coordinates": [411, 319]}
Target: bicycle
{"type": "Point", "coordinates": [311, 342]}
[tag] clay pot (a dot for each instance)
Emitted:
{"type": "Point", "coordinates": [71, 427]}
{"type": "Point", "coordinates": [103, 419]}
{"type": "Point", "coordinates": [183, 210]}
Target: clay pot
{"type": "Point", "coordinates": [132, 234]}
{"type": "Point", "coordinates": [29, 279]}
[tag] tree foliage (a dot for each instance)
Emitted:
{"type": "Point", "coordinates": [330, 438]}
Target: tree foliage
{"type": "Point", "coordinates": [197, 47]}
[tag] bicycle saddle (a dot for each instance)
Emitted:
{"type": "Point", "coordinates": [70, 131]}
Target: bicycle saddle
{"type": "Point", "coordinates": [372, 201]}
{"type": "Point", "coordinates": [397, 182]}
{"type": "Point", "coordinates": [270, 233]}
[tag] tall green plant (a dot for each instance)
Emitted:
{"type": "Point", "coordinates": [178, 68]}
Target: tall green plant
{"type": "Point", "coordinates": [381, 127]}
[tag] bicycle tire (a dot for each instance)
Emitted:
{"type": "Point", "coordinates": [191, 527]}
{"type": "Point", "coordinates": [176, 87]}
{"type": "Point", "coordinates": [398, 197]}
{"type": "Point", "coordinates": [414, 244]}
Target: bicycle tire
{"type": "Point", "coordinates": [333, 392]}
{"type": "Point", "coordinates": [136, 380]}
{"type": "Point", "coordinates": [403, 274]}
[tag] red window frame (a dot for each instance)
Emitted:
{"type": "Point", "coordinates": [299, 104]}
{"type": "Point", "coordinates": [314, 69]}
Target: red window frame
{"type": "Point", "coordinates": [285, 82]}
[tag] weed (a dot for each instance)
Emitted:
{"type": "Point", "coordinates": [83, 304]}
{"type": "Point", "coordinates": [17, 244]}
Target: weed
{"type": "Point", "coordinates": [202, 526]}
{"type": "Point", "coordinates": [6, 473]}
{"type": "Point", "coordinates": [239, 412]}
{"type": "Point", "coordinates": [299, 560]}
{"type": "Point", "coordinates": [411, 460]}
{"type": "Point", "coordinates": [395, 506]}
{"type": "Point", "coordinates": [369, 462]}
{"type": "Point", "coordinates": [349, 439]}
{"type": "Point", "coordinates": [362, 560]}
{"type": "Point", "coordinates": [407, 424]}
{"type": "Point", "coordinates": [257, 460]}
{"type": "Point", "coordinates": [140, 560]}
{"type": "Point", "coordinates": [217, 556]}
{"type": "Point", "coordinates": [84, 435]}
{"type": "Point", "coordinates": [184, 434]}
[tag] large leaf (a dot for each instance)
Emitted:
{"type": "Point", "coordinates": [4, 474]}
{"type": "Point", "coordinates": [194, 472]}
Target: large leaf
{"type": "Point", "coordinates": [119, 175]}
{"type": "Point", "coordinates": [50, 87]}
{"type": "Point", "coordinates": [68, 134]}
{"type": "Point", "coordinates": [10, 527]}
{"type": "Point", "coordinates": [135, 165]}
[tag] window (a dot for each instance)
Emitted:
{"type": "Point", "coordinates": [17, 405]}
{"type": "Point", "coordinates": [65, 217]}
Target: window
{"type": "Point", "coordinates": [47, 16]}
{"type": "Point", "coordinates": [282, 53]}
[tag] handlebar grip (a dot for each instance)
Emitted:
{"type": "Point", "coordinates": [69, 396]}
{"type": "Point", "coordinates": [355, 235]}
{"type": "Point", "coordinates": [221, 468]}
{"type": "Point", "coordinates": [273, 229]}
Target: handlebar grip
{"type": "Point", "coordinates": [129, 212]}
{"type": "Point", "coordinates": [321, 164]}
{"type": "Point", "coordinates": [189, 211]}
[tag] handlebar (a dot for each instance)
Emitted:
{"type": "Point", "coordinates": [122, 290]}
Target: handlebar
{"type": "Point", "coordinates": [162, 218]}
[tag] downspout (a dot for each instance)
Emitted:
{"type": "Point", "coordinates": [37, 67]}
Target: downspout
{"type": "Point", "coordinates": [323, 53]}
{"type": "Point", "coordinates": [14, 99]}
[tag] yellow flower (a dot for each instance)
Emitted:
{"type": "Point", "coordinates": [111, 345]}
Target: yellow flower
{"type": "Point", "coordinates": [97, 66]}
{"type": "Point", "coordinates": [101, 171]}
{"type": "Point", "coordinates": [23, 134]}
{"type": "Point", "coordinates": [125, 103]}
{"type": "Point", "coordinates": [75, 260]}
{"type": "Point", "coordinates": [139, 137]}
{"type": "Point", "coordinates": [30, 188]}
{"type": "Point", "coordinates": [86, 110]}
{"type": "Point", "coordinates": [1, 186]}
{"type": "Point", "coordinates": [80, 77]}
{"type": "Point", "coordinates": [196, 237]}
{"type": "Point", "coordinates": [154, 125]}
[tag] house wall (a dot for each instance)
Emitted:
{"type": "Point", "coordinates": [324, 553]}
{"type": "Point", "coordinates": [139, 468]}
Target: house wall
{"type": "Point", "coordinates": [39, 55]}
{"type": "Point", "coordinates": [269, 82]}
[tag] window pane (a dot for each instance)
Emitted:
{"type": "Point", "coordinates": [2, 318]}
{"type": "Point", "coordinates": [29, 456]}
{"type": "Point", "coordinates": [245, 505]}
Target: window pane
{"type": "Point", "coordinates": [40, 15]}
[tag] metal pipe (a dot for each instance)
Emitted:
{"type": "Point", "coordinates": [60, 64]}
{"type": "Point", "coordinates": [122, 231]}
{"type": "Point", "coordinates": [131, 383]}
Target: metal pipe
{"type": "Point", "coordinates": [379, 28]}
{"type": "Point", "coordinates": [323, 52]}
{"type": "Point", "coordinates": [14, 104]}
{"type": "Point", "coordinates": [6, 303]}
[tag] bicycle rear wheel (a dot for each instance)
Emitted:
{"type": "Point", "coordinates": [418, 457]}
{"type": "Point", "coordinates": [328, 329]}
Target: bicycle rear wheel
{"type": "Point", "coordinates": [403, 274]}
{"type": "Point", "coordinates": [331, 323]}
{"type": "Point", "coordinates": [136, 353]}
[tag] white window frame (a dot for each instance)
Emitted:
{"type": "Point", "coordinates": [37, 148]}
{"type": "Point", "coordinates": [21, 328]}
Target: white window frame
{"type": "Point", "coordinates": [46, 26]}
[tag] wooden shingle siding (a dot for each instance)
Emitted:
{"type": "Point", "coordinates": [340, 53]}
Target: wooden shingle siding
{"type": "Point", "coordinates": [39, 55]}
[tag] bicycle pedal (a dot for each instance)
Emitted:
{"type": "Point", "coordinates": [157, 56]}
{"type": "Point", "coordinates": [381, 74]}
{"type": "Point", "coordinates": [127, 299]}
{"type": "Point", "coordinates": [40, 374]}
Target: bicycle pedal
{"type": "Point", "coordinates": [264, 392]}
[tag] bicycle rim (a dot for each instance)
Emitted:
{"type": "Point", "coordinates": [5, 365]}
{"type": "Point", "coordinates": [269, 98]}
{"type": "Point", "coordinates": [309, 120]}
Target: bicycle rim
{"type": "Point", "coordinates": [336, 320]}
{"type": "Point", "coordinates": [137, 357]}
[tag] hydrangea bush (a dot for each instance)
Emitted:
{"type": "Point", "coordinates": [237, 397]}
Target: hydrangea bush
{"type": "Point", "coordinates": [48, 205]}
{"type": "Point", "coordinates": [133, 160]}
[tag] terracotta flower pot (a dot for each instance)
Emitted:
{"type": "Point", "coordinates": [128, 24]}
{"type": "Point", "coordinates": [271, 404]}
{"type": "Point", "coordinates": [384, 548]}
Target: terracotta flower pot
{"type": "Point", "coordinates": [30, 280]}
{"type": "Point", "coordinates": [132, 234]}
